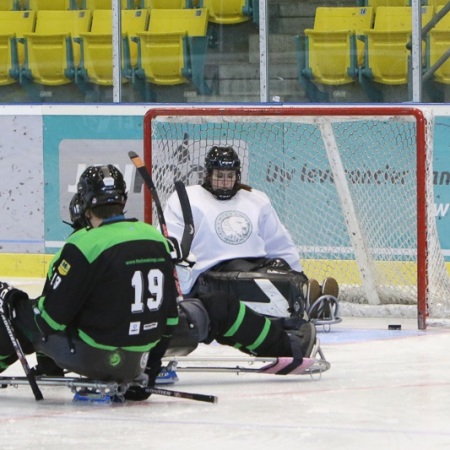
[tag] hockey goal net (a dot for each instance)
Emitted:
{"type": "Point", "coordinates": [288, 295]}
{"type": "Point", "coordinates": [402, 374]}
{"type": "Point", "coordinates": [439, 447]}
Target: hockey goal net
{"type": "Point", "coordinates": [353, 185]}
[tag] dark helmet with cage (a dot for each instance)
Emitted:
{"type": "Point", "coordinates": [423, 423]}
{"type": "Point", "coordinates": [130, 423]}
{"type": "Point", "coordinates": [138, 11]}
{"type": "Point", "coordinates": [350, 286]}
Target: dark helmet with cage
{"type": "Point", "coordinates": [222, 158]}
{"type": "Point", "coordinates": [101, 186]}
{"type": "Point", "coordinates": [77, 219]}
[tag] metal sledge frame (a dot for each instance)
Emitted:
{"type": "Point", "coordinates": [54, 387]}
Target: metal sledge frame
{"type": "Point", "coordinates": [244, 364]}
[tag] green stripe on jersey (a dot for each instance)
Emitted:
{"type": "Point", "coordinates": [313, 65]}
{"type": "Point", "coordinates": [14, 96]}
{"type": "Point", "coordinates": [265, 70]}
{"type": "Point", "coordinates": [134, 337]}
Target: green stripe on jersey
{"type": "Point", "coordinates": [112, 234]}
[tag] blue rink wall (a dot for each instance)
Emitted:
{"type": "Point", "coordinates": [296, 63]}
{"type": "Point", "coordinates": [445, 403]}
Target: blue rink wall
{"type": "Point", "coordinates": [44, 149]}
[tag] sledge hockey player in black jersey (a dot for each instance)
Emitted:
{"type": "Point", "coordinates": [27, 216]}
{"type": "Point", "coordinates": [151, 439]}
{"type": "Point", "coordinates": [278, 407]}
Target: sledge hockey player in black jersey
{"type": "Point", "coordinates": [108, 302]}
{"type": "Point", "coordinates": [241, 247]}
{"type": "Point", "coordinates": [110, 297]}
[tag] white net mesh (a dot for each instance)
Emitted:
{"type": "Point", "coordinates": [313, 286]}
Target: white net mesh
{"type": "Point", "coordinates": [345, 187]}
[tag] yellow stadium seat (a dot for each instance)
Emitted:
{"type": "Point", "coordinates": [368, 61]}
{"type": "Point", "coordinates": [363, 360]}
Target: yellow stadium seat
{"type": "Point", "coordinates": [438, 44]}
{"type": "Point", "coordinates": [165, 4]}
{"type": "Point", "coordinates": [386, 54]}
{"type": "Point", "coordinates": [376, 3]}
{"type": "Point", "coordinates": [9, 5]}
{"type": "Point", "coordinates": [173, 50]}
{"type": "Point", "coordinates": [226, 12]}
{"type": "Point", "coordinates": [436, 3]}
{"type": "Point", "coordinates": [330, 52]}
{"type": "Point", "coordinates": [96, 66]}
{"type": "Point", "coordinates": [102, 4]}
{"type": "Point", "coordinates": [51, 56]}
{"type": "Point", "coordinates": [194, 22]}
{"type": "Point", "coordinates": [13, 25]}
{"type": "Point", "coordinates": [57, 5]}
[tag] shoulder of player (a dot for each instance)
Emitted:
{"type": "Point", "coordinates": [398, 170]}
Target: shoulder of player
{"type": "Point", "coordinates": [255, 195]}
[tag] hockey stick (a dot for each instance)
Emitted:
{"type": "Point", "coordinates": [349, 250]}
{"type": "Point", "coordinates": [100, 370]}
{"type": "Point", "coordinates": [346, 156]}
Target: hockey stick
{"type": "Point", "coordinates": [112, 387]}
{"type": "Point", "coordinates": [186, 395]}
{"type": "Point", "coordinates": [21, 356]}
{"type": "Point", "coordinates": [189, 229]}
{"type": "Point", "coordinates": [143, 172]}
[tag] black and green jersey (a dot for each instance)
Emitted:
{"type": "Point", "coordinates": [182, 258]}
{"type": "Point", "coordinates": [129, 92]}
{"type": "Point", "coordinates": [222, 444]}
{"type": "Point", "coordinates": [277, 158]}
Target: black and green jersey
{"type": "Point", "coordinates": [114, 285]}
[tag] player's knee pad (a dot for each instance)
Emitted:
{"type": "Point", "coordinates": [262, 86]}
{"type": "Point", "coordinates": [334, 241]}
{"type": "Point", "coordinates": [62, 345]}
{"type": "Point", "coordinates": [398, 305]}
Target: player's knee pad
{"type": "Point", "coordinates": [271, 291]}
{"type": "Point", "coordinates": [223, 309]}
{"type": "Point", "coordinates": [193, 327]}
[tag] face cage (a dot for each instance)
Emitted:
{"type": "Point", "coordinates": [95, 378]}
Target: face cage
{"type": "Point", "coordinates": [223, 194]}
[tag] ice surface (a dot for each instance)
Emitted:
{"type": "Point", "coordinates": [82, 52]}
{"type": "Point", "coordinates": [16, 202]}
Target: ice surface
{"type": "Point", "coordinates": [385, 390]}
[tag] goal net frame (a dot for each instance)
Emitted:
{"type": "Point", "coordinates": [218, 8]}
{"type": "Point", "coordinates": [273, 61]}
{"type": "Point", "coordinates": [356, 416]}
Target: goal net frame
{"type": "Point", "coordinates": [423, 141]}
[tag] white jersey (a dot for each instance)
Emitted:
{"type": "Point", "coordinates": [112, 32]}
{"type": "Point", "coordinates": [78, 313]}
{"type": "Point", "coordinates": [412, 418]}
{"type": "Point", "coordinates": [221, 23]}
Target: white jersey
{"type": "Point", "coordinates": [245, 226]}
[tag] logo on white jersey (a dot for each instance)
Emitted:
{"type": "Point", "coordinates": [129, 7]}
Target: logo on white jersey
{"type": "Point", "coordinates": [233, 227]}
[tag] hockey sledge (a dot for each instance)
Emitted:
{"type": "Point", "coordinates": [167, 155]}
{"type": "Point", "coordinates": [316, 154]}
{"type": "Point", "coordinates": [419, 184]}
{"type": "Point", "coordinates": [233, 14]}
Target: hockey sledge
{"type": "Point", "coordinates": [314, 365]}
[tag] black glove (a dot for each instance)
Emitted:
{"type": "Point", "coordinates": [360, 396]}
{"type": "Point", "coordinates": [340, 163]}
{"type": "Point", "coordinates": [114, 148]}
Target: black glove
{"type": "Point", "coordinates": [137, 393]}
{"type": "Point", "coordinates": [9, 295]}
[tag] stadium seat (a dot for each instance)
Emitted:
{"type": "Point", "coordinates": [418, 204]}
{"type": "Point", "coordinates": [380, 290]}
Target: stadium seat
{"type": "Point", "coordinates": [438, 45]}
{"type": "Point", "coordinates": [9, 5]}
{"type": "Point", "coordinates": [376, 3]}
{"type": "Point", "coordinates": [227, 12]}
{"type": "Point", "coordinates": [329, 53]}
{"type": "Point", "coordinates": [56, 5]}
{"type": "Point", "coordinates": [13, 25]}
{"type": "Point", "coordinates": [96, 65]}
{"type": "Point", "coordinates": [50, 55]}
{"type": "Point", "coordinates": [386, 54]}
{"type": "Point", "coordinates": [105, 4]}
{"type": "Point", "coordinates": [173, 50]}
{"type": "Point", "coordinates": [436, 3]}
{"type": "Point", "coordinates": [165, 4]}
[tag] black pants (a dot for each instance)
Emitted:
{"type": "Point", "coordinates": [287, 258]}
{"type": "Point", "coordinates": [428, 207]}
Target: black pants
{"type": "Point", "coordinates": [69, 351]}
{"type": "Point", "coordinates": [235, 324]}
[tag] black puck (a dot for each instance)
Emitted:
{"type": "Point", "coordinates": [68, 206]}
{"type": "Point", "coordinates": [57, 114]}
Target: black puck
{"type": "Point", "coordinates": [394, 327]}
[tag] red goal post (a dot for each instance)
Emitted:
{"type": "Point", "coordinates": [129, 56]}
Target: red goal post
{"type": "Point", "coordinates": [352, 184]}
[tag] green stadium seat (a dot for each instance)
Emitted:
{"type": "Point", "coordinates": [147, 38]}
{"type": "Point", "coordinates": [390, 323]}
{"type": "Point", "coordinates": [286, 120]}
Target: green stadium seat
{"type": "Point", "coordinates": [13, 25]}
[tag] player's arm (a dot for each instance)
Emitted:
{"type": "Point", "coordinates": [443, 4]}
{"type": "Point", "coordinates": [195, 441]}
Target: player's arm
{"type": "Point", "coordinates": [174, 217]}
{"type": "Point", "coordinates": [66, 287]}
{"type": "Point", "coordinates": [278, 241]}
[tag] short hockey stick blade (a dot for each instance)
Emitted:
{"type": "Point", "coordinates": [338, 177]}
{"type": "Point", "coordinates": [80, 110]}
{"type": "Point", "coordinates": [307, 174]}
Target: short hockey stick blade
{"type": "Point", "coordinates": [185, 395]}
{"type": "Point", "coordinates": [139, 164]}
{"type": "Point", "coordinates": [189, 229]}
{"type": "Point", "coordinates": [21, 357]}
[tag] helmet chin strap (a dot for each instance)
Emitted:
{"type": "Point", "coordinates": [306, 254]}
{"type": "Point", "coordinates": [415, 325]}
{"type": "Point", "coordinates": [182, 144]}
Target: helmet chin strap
{"type": "Point", "coordinates": [223, 194]}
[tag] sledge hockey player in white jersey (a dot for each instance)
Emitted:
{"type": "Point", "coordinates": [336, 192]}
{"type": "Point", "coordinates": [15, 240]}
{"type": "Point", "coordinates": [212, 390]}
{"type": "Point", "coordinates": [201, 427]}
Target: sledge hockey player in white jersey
{"type": "Point", "coordinates": [241, 247]}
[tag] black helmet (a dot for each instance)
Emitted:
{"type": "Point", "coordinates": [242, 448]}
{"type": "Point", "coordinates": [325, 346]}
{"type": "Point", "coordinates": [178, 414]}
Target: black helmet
{"type": "Point", "coordinates": [77, 218]}
{"type": "Point", "coordinates": [101, 185]}
{"type": "Point", "coordinates": [222, 158]}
